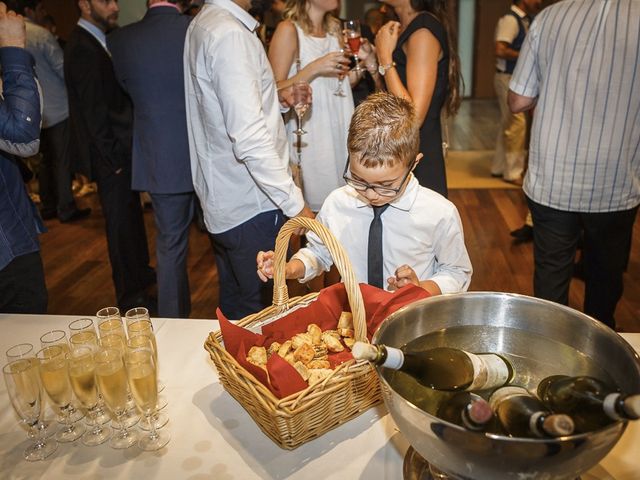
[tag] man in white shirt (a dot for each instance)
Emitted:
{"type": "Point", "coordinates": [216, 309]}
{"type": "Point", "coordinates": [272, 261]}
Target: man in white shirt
{"type": "Point", "coordinates": [511, 30]}
{"type": "Point", "coordinates": [238, 147]}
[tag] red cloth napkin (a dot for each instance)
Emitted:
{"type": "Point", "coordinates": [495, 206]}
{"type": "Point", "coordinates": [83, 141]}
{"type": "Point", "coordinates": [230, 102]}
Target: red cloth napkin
{"type": "Point", "coordinates": [282, 379]}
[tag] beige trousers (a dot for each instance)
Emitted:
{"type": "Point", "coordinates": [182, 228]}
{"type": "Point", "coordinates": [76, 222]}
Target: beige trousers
{"type": "Point", "coordinates": [510, 146]}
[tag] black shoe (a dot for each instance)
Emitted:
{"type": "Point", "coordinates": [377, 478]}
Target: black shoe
{"type": "Point", "coordinates": [77, 214]}
{"type": "Point", "coordinates": [523, 234]}
{"type": "Point", "coordinates": [48, 213]}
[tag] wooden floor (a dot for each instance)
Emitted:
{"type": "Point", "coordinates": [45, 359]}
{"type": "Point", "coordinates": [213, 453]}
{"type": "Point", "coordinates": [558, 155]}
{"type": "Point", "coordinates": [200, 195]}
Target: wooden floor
{"type": "Point", "coordinates": [78, 273]}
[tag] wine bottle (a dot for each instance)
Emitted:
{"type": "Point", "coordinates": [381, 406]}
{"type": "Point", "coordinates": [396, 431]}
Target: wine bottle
{"type": "Point", "coordinates": [441, 368]}
{"type": "Point", "coordinates": [467, 410]}
{"type": "Point", "coordinates": [523, 415]}
{"type": "Point", "coordinates": [591, 402]}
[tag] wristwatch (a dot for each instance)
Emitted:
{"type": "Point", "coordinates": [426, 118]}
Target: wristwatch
{"type": "Point", "coordinates": [382, 69]}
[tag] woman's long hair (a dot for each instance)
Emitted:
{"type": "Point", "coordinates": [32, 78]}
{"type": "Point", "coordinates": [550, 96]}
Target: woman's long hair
{"type": "Point", "coordinates": [296, 11]}
{"type": "Point", "coordinates": [439, 9]}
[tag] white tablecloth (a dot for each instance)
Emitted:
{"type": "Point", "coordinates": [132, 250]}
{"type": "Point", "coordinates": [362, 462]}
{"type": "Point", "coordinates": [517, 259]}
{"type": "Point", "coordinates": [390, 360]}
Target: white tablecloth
{"type": "Point", "coordinates": [214, 438]}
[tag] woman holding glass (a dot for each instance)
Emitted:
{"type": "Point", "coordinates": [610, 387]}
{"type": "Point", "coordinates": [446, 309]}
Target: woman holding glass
{"type": "Point", "coordinates": [419, 62]}
{"type": "Point", "coordinates": [307, 46]}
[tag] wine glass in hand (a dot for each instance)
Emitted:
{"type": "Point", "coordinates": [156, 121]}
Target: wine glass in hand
{"type": "Point", "coordinates": [354, 39]}
{"type": "Point", "coordinates": [301, 103]}
{"type": "Point", "coordinates": [339, 92]}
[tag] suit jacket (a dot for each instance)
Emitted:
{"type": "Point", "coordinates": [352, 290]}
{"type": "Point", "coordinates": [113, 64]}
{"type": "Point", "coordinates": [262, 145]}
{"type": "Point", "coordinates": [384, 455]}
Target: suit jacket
{"type": "Point", "coordinates": [100, 113]}
{"type": "Point", "coordinates": [147, 58]}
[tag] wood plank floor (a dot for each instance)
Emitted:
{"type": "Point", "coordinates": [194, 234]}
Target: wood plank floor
{"type": "Point", "coordinates": [78, 273]}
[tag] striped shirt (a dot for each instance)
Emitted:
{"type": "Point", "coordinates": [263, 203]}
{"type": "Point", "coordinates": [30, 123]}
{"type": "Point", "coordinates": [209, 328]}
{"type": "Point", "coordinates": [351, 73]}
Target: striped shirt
{"type": "Point", "coordinates": [581, 59]}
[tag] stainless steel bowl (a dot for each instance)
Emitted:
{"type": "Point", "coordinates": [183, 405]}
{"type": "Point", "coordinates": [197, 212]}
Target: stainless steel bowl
{"type": "Point", "coordinates": [541, 338]}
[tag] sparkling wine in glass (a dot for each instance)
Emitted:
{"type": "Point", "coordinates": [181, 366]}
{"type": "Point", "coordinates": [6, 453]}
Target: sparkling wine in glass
{"type": "Point", "coordinates": [82, 332]}
{"type": "Point", "coordinates": [82, 375]}
{"type": "Point", "coordinates": [27, 352]}
{"type": "Point", "coordinates": [23, 387]}
{"type": "Point", "coordinates": [354, 40]}
{"type": "Point", "coordinates": [141, 326]}
{"type": "Point", "coordinates": [143, 383]}
{"type": "Point", "coordinates": [300, 103]}
{"type": "Point", "coordinates": [54, 375]}
{"type": "Point", "coordinates": [110, 322]}
{"type": "Point", "coordinates": [112, 382]}
{"type": "Point", "coordinates": [141, 342]}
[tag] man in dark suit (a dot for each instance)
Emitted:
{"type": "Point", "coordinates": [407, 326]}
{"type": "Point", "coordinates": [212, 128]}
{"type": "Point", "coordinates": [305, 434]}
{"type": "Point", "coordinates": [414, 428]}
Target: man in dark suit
{"type": "Point", "coordinates": [147, 59]}
{"type": "Point", "coordinates": [101, 128]}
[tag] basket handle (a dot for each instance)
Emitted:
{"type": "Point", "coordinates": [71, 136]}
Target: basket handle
{"type": "Point", "coordinates": [340, 259]}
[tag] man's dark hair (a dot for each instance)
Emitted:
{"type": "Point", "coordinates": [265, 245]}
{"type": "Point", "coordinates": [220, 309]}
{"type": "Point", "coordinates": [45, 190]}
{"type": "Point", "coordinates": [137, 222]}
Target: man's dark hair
{"type": "Point", "coordinates": [19, 6]}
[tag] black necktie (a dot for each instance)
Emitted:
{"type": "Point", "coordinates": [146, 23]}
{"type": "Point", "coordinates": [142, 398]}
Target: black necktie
{"type": "Point", "coordinates": [374, 253]}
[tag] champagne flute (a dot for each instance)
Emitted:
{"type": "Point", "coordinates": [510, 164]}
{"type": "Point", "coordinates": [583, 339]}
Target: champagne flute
{"type": "Point", "coordinates": [300, 103]}
{"type": "Point", "coordinates": [82, 332]}
{"type": "Point", "coordinates": [339, 92]}
{"type": "Point", "coordinates": [25, 351]}
{"type": "Point", "coordinates": [141, 371]}
{"type": "Point", "coordinates": [110, 322]}
{"type": "Point", "coordinates": [54, 374]}
{"type": "Point", "coordinates": [23, 387]}
{"type": "Point", "coordinates": [130, 417]}
{"type": "Point", "coordinates": [112, 382]}
{"type": "Point", "coordinates": [82, 375]}
{"type": "Point", "coordinates": [144, 341]}
{"type": "Point", "coordinates": [59, 338]}
{"type": "Point", "coordinates": [354, 40]}
{"type": "Point", "coordinates": [139, 323]}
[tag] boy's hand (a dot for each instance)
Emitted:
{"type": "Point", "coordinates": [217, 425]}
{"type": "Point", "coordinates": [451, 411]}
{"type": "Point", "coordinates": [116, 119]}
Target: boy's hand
{"type": "Point", "coordinates": [264, 261]}
{"type": "Point", "coordinates": [12, 29]}
{"type": "Point", "coordinates": [404, 275]}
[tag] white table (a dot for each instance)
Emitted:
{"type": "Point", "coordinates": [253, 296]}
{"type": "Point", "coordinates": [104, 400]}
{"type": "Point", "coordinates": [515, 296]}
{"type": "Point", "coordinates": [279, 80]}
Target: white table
{"type": "Point", "coordinates": [214, 438]}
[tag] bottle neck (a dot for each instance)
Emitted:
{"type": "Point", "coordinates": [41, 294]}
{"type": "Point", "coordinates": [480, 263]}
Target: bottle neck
{"type": "Point", "coordinates": [390, 357]}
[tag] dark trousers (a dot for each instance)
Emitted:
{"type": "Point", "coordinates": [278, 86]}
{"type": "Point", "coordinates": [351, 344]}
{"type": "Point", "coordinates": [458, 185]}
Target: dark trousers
{"type": "Point", "coordinates": [126, 239]}
{"type": "Point", "coordinates": [607, 243]}
{"type": "Point", "coordinates": [22, 287]}
{"type": "Point", "coordinates": [55, 170]}
{"type": "Point", "coordinates": [173, 213]}
{"type": "Point", "coordinates": [241, 291]}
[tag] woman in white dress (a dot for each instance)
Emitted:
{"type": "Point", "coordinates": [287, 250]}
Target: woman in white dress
{"type": "Point", "coordinates": [307, 46]}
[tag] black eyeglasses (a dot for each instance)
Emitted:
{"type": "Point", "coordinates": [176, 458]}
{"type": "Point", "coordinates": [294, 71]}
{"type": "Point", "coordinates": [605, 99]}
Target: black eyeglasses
{"type": "Point", "coordinates": [361, 186]}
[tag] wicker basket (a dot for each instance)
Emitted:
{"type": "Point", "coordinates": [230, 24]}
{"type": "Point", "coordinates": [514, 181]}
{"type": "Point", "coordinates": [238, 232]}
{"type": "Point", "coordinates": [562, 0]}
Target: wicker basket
{"type": "Point", "coordinates": [349, 391]}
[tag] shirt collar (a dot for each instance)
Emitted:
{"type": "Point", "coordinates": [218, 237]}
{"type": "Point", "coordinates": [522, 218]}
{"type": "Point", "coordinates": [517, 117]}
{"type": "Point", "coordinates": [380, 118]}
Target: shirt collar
{"type": "Point", "coordinates": [164, 4]}
{"type": "Point", "coordinates": [403, 202]}
{"type": "Point", "coordinates": [238, 12]}
{"type": "Point", "coordinates": [518, 11]}
{"type": "Point", "coordinates": [95, 31]}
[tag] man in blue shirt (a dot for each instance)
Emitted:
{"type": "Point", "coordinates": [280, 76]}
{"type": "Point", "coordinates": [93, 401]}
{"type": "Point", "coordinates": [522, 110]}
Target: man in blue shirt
{"type": "Point", "coordinates": [22, 286]}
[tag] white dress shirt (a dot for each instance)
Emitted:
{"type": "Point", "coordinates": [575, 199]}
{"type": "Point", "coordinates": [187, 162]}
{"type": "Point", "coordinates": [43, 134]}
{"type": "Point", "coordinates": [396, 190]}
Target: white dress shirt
{"type": "Point", "coordinates": [421, 229]}
{"type": "Point", "coordinates": [237, 141]}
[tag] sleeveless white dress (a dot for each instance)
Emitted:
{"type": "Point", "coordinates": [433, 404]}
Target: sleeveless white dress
{"type": "Point", "coordinates": [324, 146]}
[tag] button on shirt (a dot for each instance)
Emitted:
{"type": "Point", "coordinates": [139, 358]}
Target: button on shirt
{"type": "Point", "coordinates": [238, 146]}
{"type": "Point", "coordinates": [421, 229]}
{"type": "Point", "coordinates": [584, 154]}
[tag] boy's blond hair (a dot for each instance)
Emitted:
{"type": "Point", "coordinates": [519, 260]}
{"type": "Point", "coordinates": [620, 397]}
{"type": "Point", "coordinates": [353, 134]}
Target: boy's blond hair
{"type": "Point", "coordinates": [383, 131]}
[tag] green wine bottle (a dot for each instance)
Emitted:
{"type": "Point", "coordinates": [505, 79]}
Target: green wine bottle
{"type": "Point", "coordinates": [523, 415]}
{"type": "Point", "coordinates": [591, 402]}
{"type": "Point", "coordinates": [466, 409]}
{"type": "Point", "coordinates": [441, 368]}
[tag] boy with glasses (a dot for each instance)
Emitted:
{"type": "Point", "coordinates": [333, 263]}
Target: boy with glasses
{"type": "Point", "coordinates": [390, 226]}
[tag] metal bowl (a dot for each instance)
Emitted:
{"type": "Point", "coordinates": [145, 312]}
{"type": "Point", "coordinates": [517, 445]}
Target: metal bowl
{"type": "Point", "coordinates": [540, 338]}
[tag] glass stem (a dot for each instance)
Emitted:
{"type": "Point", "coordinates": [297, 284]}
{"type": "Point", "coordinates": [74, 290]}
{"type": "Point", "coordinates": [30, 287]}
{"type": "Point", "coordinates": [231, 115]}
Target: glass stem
{"type": "Point", "coordinates": [124, 430]}
{"type": "Point", "coordinates": [40, 432]}
{"type": "Point", "coordinates": [67, 411]}
{"type": "Point", "coordinates": [151, 420]}
{"type": "Point", "coordinates": [93, 418]}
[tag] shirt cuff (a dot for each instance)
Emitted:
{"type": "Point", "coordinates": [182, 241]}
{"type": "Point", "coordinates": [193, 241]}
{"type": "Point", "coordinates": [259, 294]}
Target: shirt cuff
{"type": "Point", "coordinates": [312, 267]}
{"type": "Point", "coordinates": [294, 204]}
{"type": "Point", "coordinates": [15, 58]}
{"type": "Point", "coordinates": [448, 284]}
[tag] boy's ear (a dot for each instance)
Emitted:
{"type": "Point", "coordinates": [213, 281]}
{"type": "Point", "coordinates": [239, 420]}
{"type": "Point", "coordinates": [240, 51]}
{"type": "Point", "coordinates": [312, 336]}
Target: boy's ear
{"type": "Point", "coordinates": [419, 157]}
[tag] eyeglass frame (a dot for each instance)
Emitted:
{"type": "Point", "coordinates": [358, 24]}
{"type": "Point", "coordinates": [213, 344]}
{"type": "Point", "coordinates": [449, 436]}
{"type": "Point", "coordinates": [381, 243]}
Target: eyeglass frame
{"type": "Point", "coordinates": [360, 186]}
